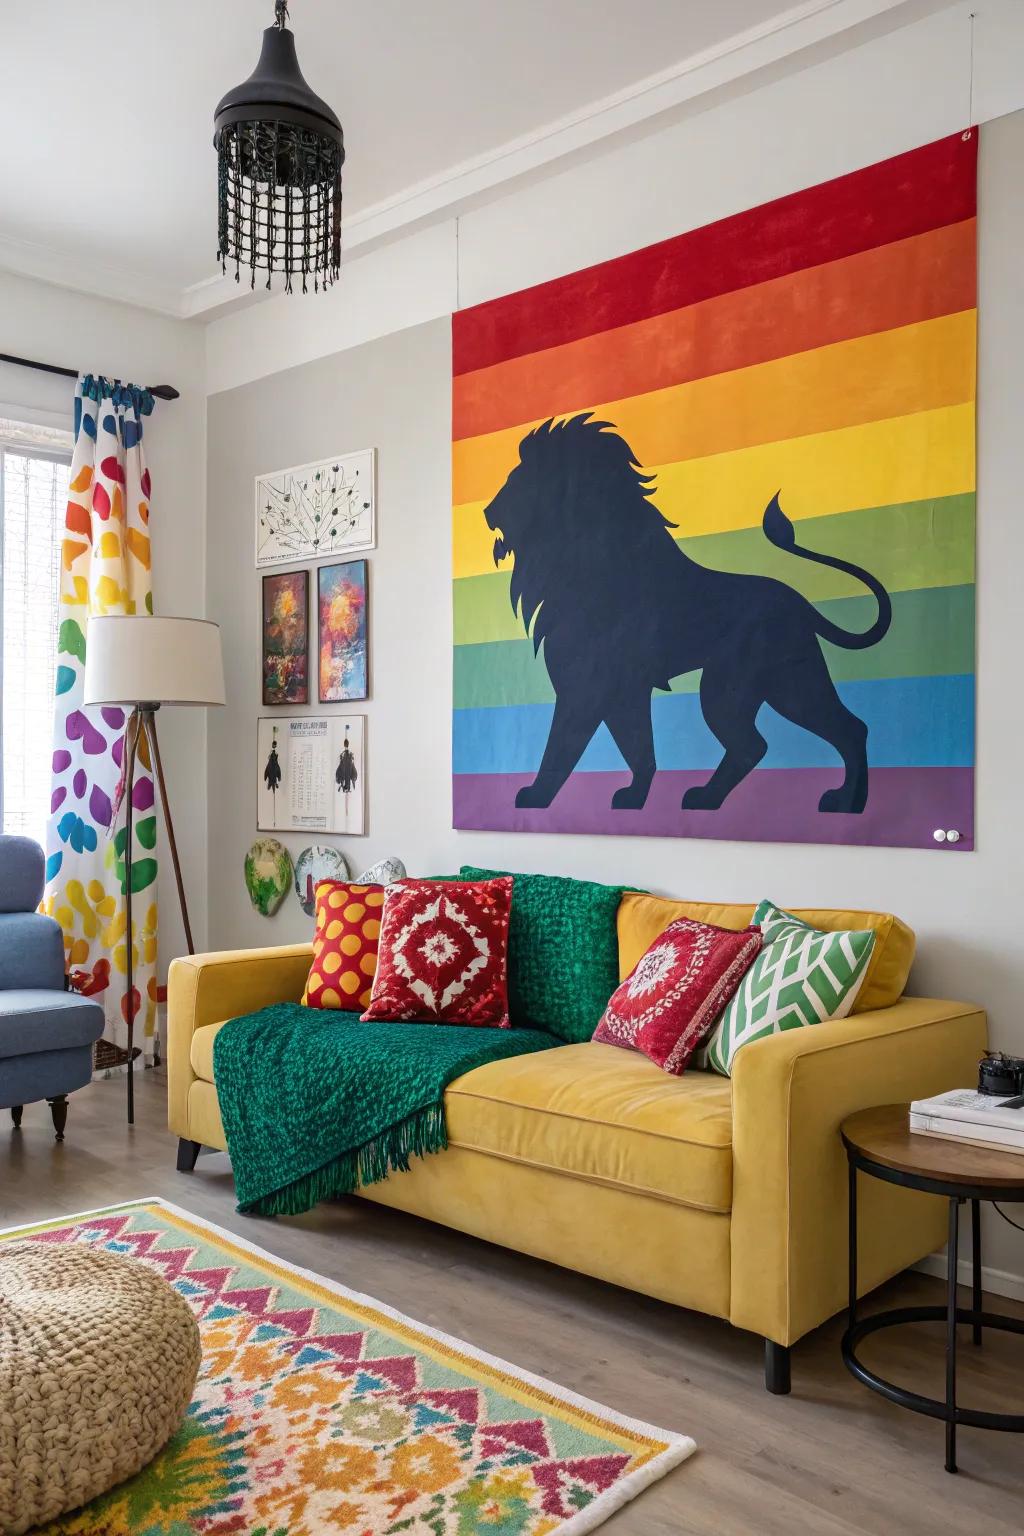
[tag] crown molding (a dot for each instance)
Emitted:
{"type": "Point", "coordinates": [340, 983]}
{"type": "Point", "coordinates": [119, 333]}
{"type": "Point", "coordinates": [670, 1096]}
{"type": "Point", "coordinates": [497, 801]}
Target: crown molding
{"type": "Point", "coordinates": [122, 285]}
{"type": "Point", "coordinates": [802, 26]}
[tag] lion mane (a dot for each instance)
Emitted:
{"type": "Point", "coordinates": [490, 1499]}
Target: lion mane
{"type": "Point", "coordinates": [576, 496]}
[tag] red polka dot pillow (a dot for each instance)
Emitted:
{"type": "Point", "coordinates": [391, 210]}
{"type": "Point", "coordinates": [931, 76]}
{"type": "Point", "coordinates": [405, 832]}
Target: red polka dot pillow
{"type": "Point", "coordinates": [443, 956]}
{"type": "Point", "coordinates": [344, 945]}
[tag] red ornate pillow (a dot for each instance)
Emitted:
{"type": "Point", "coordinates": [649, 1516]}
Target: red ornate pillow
{"type": "Point", "coordinates": [443, 950]}
{"type": "Point", "coordinates": [672, 999]}
{"type": "Point", "coordinates": [344, 945]}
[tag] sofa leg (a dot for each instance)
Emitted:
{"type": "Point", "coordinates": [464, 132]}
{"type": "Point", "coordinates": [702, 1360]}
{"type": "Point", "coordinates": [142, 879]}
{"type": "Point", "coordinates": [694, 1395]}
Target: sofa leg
{"type": "Point", "coordinates": [776, 1368]}
{"type": "Point", "coordinates": [16, 1113]}
{"type": "Point", "coordinates": [188, 1151]}
{"type": "Point", "coordinates": [59, 1111]}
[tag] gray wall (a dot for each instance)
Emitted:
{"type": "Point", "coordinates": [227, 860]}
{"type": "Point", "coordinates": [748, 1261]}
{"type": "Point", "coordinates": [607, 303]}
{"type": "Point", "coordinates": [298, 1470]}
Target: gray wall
{"type": "Point", "coordinates": [395, 394]}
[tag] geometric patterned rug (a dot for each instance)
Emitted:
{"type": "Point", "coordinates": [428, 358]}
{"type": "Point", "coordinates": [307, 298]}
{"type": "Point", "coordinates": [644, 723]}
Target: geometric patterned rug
{"type": "Point", "coordinates": [319, 1411]}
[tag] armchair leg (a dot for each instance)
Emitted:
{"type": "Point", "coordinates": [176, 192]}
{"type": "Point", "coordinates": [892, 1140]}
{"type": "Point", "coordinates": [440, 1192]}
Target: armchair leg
{"type": "Point", "coordinates": [16, 1112]}
{"type": "Point", "coordinates": [59, 1111]}
{"type": "Point", "coordinates": [188, 1151]}
{"type": "Point", "coordinates": [776, 1368]}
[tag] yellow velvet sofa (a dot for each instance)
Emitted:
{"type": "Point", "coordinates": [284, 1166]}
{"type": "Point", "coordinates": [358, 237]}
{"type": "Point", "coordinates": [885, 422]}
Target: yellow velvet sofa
{"type": "Point", "coordinates": [727, 1196]}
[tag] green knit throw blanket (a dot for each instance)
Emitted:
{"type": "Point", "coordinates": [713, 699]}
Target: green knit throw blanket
{"type": "Point", "coordinates": [316, 1103]}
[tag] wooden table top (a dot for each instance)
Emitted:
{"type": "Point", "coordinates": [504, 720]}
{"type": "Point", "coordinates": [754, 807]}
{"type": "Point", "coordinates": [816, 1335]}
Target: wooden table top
{"type": "Point", "coordinates": [884, 1136]}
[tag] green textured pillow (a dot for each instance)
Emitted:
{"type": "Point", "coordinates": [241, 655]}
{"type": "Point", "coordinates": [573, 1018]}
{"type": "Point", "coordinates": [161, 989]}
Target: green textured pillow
{"type": "Point", "coordinates": [563, 951]}
{"type": "Point", "coordinates": [801, 977]}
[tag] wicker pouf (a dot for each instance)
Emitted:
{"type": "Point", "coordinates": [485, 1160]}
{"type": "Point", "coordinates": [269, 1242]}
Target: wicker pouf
{"type": "Point", "coordinates": [98, 1361]}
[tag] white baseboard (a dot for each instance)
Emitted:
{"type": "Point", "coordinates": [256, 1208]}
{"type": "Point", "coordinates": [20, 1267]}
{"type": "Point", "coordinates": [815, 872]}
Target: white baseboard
{"type": "Point", "coordinates": [999, 1281]}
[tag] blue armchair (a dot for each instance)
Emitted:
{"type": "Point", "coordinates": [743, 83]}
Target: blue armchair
{"type": "Point", "coordinates": [46, 1033]}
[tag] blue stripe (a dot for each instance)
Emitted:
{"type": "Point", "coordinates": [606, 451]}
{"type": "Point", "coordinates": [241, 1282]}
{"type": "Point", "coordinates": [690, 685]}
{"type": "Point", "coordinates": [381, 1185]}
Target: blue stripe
{"type": "Point", "coordinates": [913, 722]}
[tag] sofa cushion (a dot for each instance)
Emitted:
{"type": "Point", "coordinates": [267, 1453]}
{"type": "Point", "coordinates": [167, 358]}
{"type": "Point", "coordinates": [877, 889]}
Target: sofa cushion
{"type": "Point", "coordinates": [642, 918]}
{"type": "Point", "coordinates": [201, 1050]}
{"type": "Point", "coordinates": [563, 951]}
{"type": "Point", "coordinates": [32, 1019]}
{"type": "Point", "coordinates": [345, 941]}
{"type": "Point", "coordinates": [598, 1113]}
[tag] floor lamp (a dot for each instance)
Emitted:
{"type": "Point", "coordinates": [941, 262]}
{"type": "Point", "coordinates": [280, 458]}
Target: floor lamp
{"type": "Point", "coordinates": [142, 663]}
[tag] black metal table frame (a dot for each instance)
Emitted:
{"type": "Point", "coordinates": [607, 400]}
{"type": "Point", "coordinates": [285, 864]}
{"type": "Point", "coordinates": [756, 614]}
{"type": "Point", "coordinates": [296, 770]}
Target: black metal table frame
{"type": "Point", "coordinates": [948, 1409]}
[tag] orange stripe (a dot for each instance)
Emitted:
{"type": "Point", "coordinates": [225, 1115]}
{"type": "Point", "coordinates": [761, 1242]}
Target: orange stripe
{"type": "Point", "coordinates": [870, 378]}
{"type": "Point", "coordinates": [893, 285]}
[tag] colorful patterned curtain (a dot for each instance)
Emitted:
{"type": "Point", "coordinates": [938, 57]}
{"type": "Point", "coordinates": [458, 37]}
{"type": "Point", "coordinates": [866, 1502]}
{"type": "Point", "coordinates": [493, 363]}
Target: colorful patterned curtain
{"type": "Point", "coordinates": [105, 569]}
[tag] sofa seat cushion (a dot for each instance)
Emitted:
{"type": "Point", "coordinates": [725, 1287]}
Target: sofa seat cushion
{"type": "Point", "coordinates": [201, 1050]}
{"type": "Point", "coordinates": [601, 1114]}
{"type": "Point", "coordinates": [36, 1019]}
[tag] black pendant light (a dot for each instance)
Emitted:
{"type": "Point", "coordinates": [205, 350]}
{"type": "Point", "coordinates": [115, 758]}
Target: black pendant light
{"type": "Point", "coordinates": [280, 150]}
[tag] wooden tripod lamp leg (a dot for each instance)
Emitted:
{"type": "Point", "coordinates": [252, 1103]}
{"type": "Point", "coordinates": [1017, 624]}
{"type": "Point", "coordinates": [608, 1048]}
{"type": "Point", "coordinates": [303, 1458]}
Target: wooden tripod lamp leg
{"type": "Point", "coordinates": [132, 746]}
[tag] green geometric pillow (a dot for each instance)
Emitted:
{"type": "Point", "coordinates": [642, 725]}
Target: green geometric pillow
{"type": "Point", "coordinates": [563, 951]}
{"type": "Point", "coordinates": [802, 976]}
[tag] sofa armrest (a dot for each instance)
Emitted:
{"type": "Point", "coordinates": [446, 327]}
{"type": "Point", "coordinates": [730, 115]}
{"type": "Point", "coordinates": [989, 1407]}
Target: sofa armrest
{"type": "Point", "coordinates": [206, 989]}
{"type": "Point", "coordinates": [791, 1092]}
{"type": "Point", "coordinates": [31, 952]}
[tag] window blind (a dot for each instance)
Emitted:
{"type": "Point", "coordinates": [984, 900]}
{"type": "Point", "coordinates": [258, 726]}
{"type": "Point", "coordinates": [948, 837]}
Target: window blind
{"type": "Point", "coordinates": [33, 497]}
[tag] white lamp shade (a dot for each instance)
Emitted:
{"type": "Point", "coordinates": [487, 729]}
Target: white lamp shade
{"type": "Point", "coordinates": [144, 660]}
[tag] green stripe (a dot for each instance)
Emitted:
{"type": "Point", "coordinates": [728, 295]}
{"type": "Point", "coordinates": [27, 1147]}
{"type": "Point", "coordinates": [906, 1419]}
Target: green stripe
{"type": "Point", "coordinates": [915, 544]}
{"type": "Point", "coordinates": [932, 635]}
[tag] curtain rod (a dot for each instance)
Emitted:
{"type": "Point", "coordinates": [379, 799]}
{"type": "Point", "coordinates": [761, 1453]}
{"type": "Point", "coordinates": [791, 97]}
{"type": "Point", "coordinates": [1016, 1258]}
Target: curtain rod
{"type": "Point", "coordinates": [160, 391]}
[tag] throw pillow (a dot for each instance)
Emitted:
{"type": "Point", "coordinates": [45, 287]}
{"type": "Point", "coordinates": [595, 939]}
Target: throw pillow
{"type": "Point", "coordinates": [443, 954]}
{"type": "Point", "coordinates": [802, 976]}
{"type": "Point", "coordinates": [563, 951]}
{"type": "Point", "coordinates": [675, 994]}
{"type": "Point", "coordinates": [344, 945]}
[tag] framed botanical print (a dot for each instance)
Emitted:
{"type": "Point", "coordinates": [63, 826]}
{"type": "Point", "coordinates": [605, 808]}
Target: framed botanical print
{"type": "Point", "coordinates": [342, 633]}
{"type": "Point", "coordinates": [285, 635]}
{"type": "Point", "coordinates": [317, 510]}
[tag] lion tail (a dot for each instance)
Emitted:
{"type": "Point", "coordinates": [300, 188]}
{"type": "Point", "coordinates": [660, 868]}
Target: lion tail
{"type": "Point", "coordinates": [780, 531]}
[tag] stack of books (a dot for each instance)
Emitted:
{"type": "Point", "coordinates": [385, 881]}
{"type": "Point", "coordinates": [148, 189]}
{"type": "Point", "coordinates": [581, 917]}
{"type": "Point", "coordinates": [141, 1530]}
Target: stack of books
{"type": "Point", "coordinates": [982, 1119]}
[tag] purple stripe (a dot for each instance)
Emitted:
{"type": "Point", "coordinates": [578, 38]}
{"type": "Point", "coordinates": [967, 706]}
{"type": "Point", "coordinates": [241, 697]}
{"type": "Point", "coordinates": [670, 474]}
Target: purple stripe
{"type": "Point", "coordinates": [773, 805]}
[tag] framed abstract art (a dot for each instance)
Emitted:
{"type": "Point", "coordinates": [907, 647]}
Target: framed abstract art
{"type": "Point", "coordinates": [342, 634]}
{"type": "Point", "coordinates": [285, 635]}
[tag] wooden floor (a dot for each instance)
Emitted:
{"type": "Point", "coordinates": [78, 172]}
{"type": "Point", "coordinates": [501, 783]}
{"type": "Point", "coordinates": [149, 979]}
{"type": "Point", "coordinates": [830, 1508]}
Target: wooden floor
{"type": "Point", "coordinates": [830, 1460]}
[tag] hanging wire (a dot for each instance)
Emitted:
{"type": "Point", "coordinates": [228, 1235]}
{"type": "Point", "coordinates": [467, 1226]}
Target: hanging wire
{"type": "Point", "coordinates": [970, 82]}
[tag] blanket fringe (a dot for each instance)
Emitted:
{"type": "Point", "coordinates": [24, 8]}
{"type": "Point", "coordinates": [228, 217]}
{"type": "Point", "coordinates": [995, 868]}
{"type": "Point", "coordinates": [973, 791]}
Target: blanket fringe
{"type": "Point", "coordinates": [418, 1134]}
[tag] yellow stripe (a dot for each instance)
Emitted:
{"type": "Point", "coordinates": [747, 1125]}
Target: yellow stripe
{"type": "Point", "coordinates": [911, 458]}
{"type": "Point", "coordinates": [870, 378]}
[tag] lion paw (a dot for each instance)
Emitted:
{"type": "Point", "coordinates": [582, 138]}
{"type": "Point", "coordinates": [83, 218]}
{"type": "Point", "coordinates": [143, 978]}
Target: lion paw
{"type": "Point", "coordinates": [631, 797]}
{"type": "Point", "coordinates": [532, 798]}
{"type": "Point", "coordinates": [701, 797]}
{"type": "Point", "coordinates": [842, 801]}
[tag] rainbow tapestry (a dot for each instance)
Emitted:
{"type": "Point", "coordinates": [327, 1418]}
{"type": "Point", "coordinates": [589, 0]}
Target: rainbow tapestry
{"type": "Point", "coordinates": [714, 527]}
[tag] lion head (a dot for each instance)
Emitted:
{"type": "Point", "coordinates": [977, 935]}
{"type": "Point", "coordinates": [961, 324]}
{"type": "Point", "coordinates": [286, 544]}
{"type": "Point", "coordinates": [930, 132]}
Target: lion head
{"type": "Point", "coordinates": [573, 512]}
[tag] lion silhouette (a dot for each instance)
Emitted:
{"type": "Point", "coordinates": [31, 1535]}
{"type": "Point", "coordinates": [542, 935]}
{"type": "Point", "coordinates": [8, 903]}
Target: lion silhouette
{"type": "Point", "coordinates": [620, 610]}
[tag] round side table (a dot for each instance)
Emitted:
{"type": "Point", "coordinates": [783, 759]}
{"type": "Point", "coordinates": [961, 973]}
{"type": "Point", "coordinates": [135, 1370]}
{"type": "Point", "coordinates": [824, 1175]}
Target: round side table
{"type": "Point", "coordinates": [880, 1142]}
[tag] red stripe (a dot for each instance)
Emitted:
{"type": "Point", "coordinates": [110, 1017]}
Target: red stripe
{"type": "Point", "coordinates": [924, 189]}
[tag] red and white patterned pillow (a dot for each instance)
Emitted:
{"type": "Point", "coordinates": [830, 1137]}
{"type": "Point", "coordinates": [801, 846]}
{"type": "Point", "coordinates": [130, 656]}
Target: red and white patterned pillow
{"type": "Point", "coordinates": [443, 952]}
{"type": "Point", "coordinates": [675, 994]}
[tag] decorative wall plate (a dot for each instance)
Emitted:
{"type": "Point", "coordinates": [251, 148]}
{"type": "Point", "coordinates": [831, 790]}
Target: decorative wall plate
{"type": "Point", "coordinates": [268, 874]}
{"type": "Point", "coordinates": [384, 872]}
{"type": "Point", "coordinates": [315, 863]}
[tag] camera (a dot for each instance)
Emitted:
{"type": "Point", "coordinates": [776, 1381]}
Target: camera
{"type": "Point", "coordinates": [1001, 1074]}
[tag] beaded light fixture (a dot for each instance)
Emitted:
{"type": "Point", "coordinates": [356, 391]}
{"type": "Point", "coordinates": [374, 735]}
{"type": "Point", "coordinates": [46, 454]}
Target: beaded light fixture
{"type": "Point", "coordinates": [280, 150]}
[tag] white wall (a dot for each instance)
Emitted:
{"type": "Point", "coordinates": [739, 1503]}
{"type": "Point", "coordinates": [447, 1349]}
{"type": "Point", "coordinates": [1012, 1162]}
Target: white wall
{"type": "Point", "coordinates": [73, 330]}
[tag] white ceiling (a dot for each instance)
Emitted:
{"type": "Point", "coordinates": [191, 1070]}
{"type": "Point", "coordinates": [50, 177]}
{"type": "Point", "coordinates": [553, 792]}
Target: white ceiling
{"type": "Point", "coordinates": [106, 160]}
